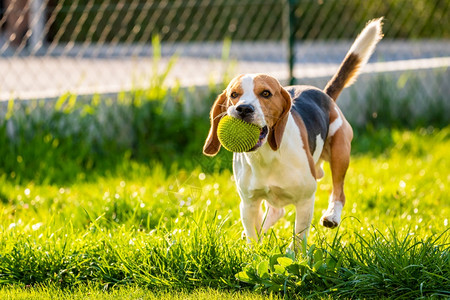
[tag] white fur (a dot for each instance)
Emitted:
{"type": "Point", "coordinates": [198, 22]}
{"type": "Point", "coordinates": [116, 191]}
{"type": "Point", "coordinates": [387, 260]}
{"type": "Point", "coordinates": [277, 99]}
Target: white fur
{"type": "Point", "coordinates": [319, 147]}
{"type": "Point", "coordinates": [335, 125]}
{"type": "Point", "coordinates": [333, 213]}
{"type": "Point", "coordinates": [279, 177]}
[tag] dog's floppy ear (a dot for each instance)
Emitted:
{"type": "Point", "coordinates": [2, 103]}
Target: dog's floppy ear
{"type": "Point", "coordinates": [277, 130]}
{"type": "Point", "coordinates": [218, 110]}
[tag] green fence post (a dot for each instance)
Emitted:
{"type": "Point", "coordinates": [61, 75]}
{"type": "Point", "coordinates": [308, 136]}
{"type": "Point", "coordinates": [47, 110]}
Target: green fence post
{"type": "Point", "coordinates": [291, 5]}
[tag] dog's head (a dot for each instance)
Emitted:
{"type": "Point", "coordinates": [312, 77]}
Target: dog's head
{"type": "Point", "coordinates": [255, 98]}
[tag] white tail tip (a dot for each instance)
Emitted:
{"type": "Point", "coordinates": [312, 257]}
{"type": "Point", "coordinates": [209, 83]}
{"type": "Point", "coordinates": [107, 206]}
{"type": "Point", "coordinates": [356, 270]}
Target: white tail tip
{"type": "Point", "coordinates": [366, 41]}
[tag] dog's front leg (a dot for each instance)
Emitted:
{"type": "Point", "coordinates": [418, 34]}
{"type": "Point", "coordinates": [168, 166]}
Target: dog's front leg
{"type": "Point", "coordinates": [303, 217]}
{"type": "Point", "coordinates": [251, 217]}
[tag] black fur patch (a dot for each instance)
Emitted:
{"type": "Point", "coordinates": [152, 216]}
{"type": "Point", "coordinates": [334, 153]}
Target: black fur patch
{"type": "Point", "coordinates": [313, 105]}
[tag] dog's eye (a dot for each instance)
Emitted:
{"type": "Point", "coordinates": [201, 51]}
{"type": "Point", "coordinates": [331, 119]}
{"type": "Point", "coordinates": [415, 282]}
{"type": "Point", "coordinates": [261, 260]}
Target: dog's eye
{"type": "Point", "coordinates": [234, 95]}
{"type": "Point", "coordinates": [266, 94]}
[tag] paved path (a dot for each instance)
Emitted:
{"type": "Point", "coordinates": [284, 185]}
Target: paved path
{"type": "Point", "coordinates": [111, 70]}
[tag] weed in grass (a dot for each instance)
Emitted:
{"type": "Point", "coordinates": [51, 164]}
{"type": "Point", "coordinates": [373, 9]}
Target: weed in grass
{"type": "Point", "coordinates": [374, 266]}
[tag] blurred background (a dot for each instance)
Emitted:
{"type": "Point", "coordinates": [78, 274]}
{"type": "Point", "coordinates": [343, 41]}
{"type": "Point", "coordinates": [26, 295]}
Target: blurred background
{"type": "Point", "coordinates": [49, 47]}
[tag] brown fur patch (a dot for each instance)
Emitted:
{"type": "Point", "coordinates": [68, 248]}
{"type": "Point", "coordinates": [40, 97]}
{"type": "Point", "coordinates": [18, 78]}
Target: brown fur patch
{"type": "Point", "coordinates": [275, 106]}
{"type": "Point", "coordinates": [212, 143]}
{"type": "Point", "coordinates": [301, 126]}
{"type": "Point", "coordinates": [343, 76]}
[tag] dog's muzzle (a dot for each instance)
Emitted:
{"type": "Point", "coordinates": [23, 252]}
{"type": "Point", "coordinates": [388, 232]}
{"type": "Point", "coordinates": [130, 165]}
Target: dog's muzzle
{"type": "Point", "coordinates": [262, 137]}
{"type": "Point", "coordinates": [247, 113]}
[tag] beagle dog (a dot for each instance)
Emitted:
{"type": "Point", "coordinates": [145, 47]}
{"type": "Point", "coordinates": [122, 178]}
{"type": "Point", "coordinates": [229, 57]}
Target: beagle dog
{"type": "Point", "coordinates": [300, 127]}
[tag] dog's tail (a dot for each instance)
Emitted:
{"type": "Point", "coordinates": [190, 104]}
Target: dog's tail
{"type": "Point", "coordinates": [356, 58]}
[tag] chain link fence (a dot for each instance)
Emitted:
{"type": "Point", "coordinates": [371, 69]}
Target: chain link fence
{"type": "Point", "coordinates": [49, 47]}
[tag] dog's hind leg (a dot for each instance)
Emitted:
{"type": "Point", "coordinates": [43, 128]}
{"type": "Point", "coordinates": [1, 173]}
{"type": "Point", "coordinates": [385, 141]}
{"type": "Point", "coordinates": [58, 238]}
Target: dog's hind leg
{"type": "Point", "coordinates": [340, 146]}
{"type": "Point", "coordinates": [271, 216]}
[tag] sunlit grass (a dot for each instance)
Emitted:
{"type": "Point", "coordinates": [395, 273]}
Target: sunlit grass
{"type": "Point", "coordinates": [179, 229]}
{"type": "Point", "coordinates": [92, 292]}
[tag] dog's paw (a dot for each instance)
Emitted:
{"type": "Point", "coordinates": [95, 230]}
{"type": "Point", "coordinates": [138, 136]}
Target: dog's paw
{"type": "Point", "coordinates": [329, 222]}
{"type": "Point", "coordinates": [332, 216]}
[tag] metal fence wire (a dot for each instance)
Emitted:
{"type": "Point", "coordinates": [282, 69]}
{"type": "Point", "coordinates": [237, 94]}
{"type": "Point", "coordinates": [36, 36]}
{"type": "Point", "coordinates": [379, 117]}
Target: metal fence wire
{"type": "Point", "coordinates": [49, 47]}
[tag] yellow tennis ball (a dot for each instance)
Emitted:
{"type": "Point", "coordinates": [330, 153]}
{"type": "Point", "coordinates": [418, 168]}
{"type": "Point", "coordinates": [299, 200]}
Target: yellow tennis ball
{"type": "Point", "coordinates": [236, 135]}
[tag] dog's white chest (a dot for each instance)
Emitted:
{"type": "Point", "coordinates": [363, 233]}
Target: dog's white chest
{"type": "Point", "coordinates": [280, 177]}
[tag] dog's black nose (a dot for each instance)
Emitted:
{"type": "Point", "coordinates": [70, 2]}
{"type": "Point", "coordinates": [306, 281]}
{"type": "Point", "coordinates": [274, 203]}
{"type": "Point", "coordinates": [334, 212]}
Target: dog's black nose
{"type": "Point", "coordinates": [245, 109]}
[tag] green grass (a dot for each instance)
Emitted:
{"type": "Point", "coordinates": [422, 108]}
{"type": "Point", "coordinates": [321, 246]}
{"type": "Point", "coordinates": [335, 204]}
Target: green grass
{"type": "Point", "coordinates": [129, 292]}
{"type": "Point", "coordinates": [145, 229]}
